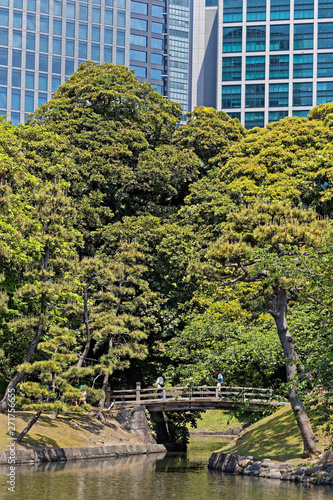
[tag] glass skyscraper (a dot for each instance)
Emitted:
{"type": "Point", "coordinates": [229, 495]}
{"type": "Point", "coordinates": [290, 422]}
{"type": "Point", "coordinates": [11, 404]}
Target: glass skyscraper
{"type": "Point", "coordinates": [258, 60]}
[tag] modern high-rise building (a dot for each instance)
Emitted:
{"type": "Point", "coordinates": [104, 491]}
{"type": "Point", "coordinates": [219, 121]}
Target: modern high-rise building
{"type": "Point", "coordinates": [258, 60]}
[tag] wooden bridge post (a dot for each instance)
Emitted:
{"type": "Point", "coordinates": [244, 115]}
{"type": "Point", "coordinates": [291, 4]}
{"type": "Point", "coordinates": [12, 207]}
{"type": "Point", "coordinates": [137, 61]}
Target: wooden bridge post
{"type": "Point", "coordinates": [137, 391]}
{"type": "Point", "coordinates": [163, 393]}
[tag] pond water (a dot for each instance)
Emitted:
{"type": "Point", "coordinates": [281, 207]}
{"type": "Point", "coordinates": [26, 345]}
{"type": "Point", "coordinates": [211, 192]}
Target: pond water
{"type": "Point", "coordinates": [180, 476]}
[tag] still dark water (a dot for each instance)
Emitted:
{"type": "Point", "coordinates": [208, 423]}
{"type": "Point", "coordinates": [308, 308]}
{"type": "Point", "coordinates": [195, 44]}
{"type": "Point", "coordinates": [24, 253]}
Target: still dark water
{"type": "Point", "coordinates": [177, 476]}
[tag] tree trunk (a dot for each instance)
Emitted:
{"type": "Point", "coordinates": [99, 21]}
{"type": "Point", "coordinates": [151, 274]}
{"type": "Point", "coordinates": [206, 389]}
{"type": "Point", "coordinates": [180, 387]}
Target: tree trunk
{"type": "Point", "coordinates": [87, 325]}
{"type": "Point", "coordinates": [28, 427]}
{"type": "Point", "coordinates": [101, 404]}
{"type": "Point", "coordinates": [279, 314]}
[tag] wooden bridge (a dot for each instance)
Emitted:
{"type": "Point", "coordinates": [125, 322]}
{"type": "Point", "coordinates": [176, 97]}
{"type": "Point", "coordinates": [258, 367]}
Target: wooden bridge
{"type": "Point", "coordinates": [196, 398]}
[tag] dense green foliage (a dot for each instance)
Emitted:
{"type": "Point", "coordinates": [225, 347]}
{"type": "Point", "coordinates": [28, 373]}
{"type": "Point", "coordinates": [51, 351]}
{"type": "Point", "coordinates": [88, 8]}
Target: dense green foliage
{"type": "Point", "coordinates": [129, 245]}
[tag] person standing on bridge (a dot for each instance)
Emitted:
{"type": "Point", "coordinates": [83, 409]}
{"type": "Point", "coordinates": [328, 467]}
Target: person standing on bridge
{"type": "Point", "coordinates": [220, 382]}
{"type": "Point", "coordinates": [159, 384]}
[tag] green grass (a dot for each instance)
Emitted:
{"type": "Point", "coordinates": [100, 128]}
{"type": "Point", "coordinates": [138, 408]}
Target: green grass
{"type": "Point", "coordinates": [213, 420]}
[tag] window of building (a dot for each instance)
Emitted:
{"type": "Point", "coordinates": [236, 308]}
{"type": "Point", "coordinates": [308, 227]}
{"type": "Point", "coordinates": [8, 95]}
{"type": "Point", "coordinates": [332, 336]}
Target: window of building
{"type": "Point", "coordinates": [139, 8]}
{"type": "Point", "coordinates": [30, 41]}
{"type": "Point", "coordinates": [278, 94]}
{"type": "Point", "coordinates": [31, 5]}
{"type": "Point", "coordinates": [18, 4]}
{"type": "Point", "coordinates": [301, 113]}
{"type": "Point", "coordinates": [95, 52]}
{"type": "Point", "coordinates": [4, 3]}
{"type": "Point", "coordinates": [56, 45]}
{"type": "Point", "coordinates": [56, 64]}
{"type": "Point", "coordinates": [30, 60]}
{"type": "Point", "coordinates": [232, 11]}
{"type": "Point", "coordinates": [256, 10]}
{"type": "Point", "coordinates": [138, 55]}
{"type": "Point", "coordinates": [255, 119]}
{"type": "Point", "coordinates": [44, 24]}
{"type": "Point", "coordinates": [95, 33]}
{"type": "Point", "coordinates": [96, 14]}
{"type": "Point", "coordinates": [325, 8]}
{"type": "Point", "coordinates": [3, 77]}
{"type": "Point", "coordinates": [139, 71]}
{"type": "Point", "coordinates": [43, 43]}
{"type": "Point", "coordinates": [139, 24]}
{"type": "Point", "coordinates": [109, 3]}
{"type": "Point", "coordinates": [303, 9]}
{"type": "Point", "coordinates": [31, 22]}
{"type": "Point", "coordinates": [70, 29]}
{"type": "Point", "coordinates": [120, 56]}
{"type": "Point", "coordinates": [42, 98]}
{"type": "Point", "coordinates": [325, 35]}
{"type": "Point", "coordinates": [29, 101]}
{"type": "Point", "coordinates": [255, 95]}
{"type": "Point", "coordinates": [83, 12]}
{"type": "Point", "coordinates": [107, 54]}
{"type": "Point", "coordinates": [57, 26]}
{"type": "Point", "coordinates": [30, 80]}
{"type": "Point", "coordinates": [157, 27]}
{"type": "Point", "coordinates": [108, 17]}
{"type": "Point", "coordinates": [42, 82]}
{"type": "Point", "coordinates": [44, 6]}
{"type": "Point", "coordinates": [231, 96]}
{"type": "Point", "coordinates": [279, 37]}
{"type": "Point", "coordinates": [83, 50]}
{"type": "Point", "coordinates": [232, 39]}
{"type": "Point", "coordinates": [157, 43]}
{"type": "Point", "coordinates": [16, 99]}
{"type": "Point", "coordinates": [324, 92]}
{"type": "Point", "coordinates": [303, 36]}
{"type": "Point", "coordinates": [121, 19]}
{"type": "Point", "coordinates": [69, 66]}
{"type": "Point", "coordinates": [255, 68]}
{"type": "Point", "coordinates": [121, 4]}
{"type": "Point", "coordinates": [280, 9]}
{"type": "Point", "coordinates": [3, 97]}
{"type": "Point", "coordinates": [70, 48]}
{"type": "Point", "coordinates": [108, 35]}
{"type": "Point", "coordinates": [3, 36]}
{"type": "Point", "coordinates": [43, 62]}
{"type": "Point", "coordinates": [275, 116]}
{"type": "Point", "coordinates": [17, 39]}
{"type": "Point", "coordinates": [4, 17]}
{"type": "Point", "coordinates": [156, 11]}
{"type": "Point", "coordinates": [279, 66]}
{"type": "Point", "coordinates": [156, 58]}
{"type": "Point", "coordinates": [15, 118]}
{"type": "Point", "coordinates": [139, 40]}
{"type": "Point", "coordinates": [156, 74]}
{"type": "Point", "coordinates": [121, 38]}
{"type": "Point", "coordinates": [303, 66]}
{"type": "Point", "coordinates": [158, 88]}
{"type": "Point", "coordinates": [83, 31]}
{"type": "Point", "coordinates": [234, 114]}
{"type": "Point", "coordinates": [16, 78]}
{"type": "Point", "coordinates": [302, 94]}
{"type": "Point", "coordinates": [57, 8]}
{"type": "Point", "coordinates": [70, 10]}
{"type": "Point", "coordinates": [325, 65]}
{"type": "Point", "coordinates": [17, 19]}
{"type": "Point", "coordinates": [255, 38]}
{"type": "Point", "coordinates": [16, 58]}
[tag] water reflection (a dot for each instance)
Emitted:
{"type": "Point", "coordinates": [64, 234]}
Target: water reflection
{"type": "Point", "coordinates": [149, 477]}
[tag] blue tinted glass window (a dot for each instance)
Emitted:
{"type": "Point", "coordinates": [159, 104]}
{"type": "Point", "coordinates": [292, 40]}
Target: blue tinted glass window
{"type": "Point", "coordinates": [70, 10]}
{"type": "Point", "coordinates": [139, 8]}
{"type": "Point", "coordinates": [121, 4]}
{"type": "Point", "coordinates": [17, 39]}
{"type": "Point", "coordinates": [325, 8]}
{"type": "Point", "coordinates": [3, 97]}
{"type": "Point", "coordinates": [139, 40]}
{"type": "Point", "coordinates": [280, 9]}
{"type": "Point", "coordinates": [56, 45]}
{"type": "Point", "coordinates": [157, 11]}
{"type": "Point", "coordinates": [42, 98]}
{"type": "Point", "coordinates": [16, 78]}
{"type": "Point", "coordinates": [255, 68]}
{"type": "Point", "coordinates": [157, 43]}
{"type": "Point", "coordinates": [303, 36]}
{"type": "Point", "coordinates": [96, 14]}
{"type": "Point", "coordinates": [109, 3]}
{"type": "Point", "coordinates": [121, 19]}
{"type": "Point", "coordinates": [17, 19]}
{"type": "Point", "coordinates": [30, 60]}
{"type": "Point", "coordinates": [70, 29]}
{"type": "Point", "coordinates": [18, 4]}
{"type": "Point", "coordinates": [31, 5]}
{"type": "Point", "coordinates": [325, 65]}
{"type": "Point", "coordinates": [4, 56]}
{"type": "Point", "coordinates": [4, 3]}
{"type": "Point", "coordinates": [107, 54]}
{"type": "Point", "coordinates": [279, 37]}
{"type": "Point", "coordinates": [255, 38]}
{"type": "Point", "coordinates": [44, 24]}
{"type": "Point", "coordinates": [234, 114]}
{"type": "Point", "coordinates": [157, 87]}
{"type": "Point", "coordinates": [83, 31]}
{"type": "Point", "coordinates": [30, 41]}
{"type": "Point", "coordinates": [108, 35]}
{"type": "Point", "coordinates": [69, 66]}
{"type": "Point", "coordinates": [138, 55]}
{"type": "Point", "coordinates": [231, 68]}
{"type": "Point", "coordinates": [3, 77]}
{"type": "Point", "coordinates": [57, 8]}
{"type": "Point", "coordinates": [42, 82]}
{"type": "Point", "coordinates": [82, 50]}
{"type": "Point", "coordinates": [95, 52]}
{"type": "Point", "coordinates": [15, 119]}
{"type": "Point", "coordinates": [70, 48]}
{"type": "Point", "coordinates": [301, 113]}
{"type": "Point", "coordinates": [303, 9]}
{"type": "Point", "coordinates": [325, 35]}
{"type": "Point", "coordinates": [255, 95]}
{"type": "Point", "coordinates": [156, 58]}
{"type": "Point", "coordinates": [302, 94]}
{"type": "Point", "coordinates": [139, 71]}
{"type": "Point", "coordinates": [231, 96]}
{"type": "Point", "coordinates": [275, 116]}
{"type": "Point", "coordinates": [120, 56]}
{"type": "Point", "coordinates": [278, 94]}
{"type": "Point", "coordinates": [139, 24]}
{"type": "Point", "coordinates": [108, 17]}
{"type": "Point", "coordinates": [57, 26]}
{"type": "Point", "coordinates": [156, 74]}
{"type": "Point", "coordinates": [55, 83]}
{"type": "Point", "coordinates": [44, 43]}
{"type": "Point", "coordinates": [232, 11]}
{"type": "Point", "coordinates": [232, 39]}
{"type": "Point", "coordinates": [3, 36]}
{"type": "Point", "coordinates": [157, 27]}
{"type": "Point", "coordinates": [16, 58]}
{"type": "Point", "coordinates": [56, 65]}
{"type": "Point", "coordinates": [121, 38]}
{"type": "Point", "coordinates": [324, 92]}
{"type": "Point", "coordinates": [83, 12]}
{"type": "Point", "coordinates": [43, 62]}
{"type": "Point", "coordinates": [256, 10]}
{"type": "Point", "coordinates": [30, 80]}
{"type": "Point", "coordinates": [31, 22]}
{"type": "Point", "coordinates": [4, 17]}
{"type": "Point", "coordinates": [44, 6]}
{"type": "Point", "coordinates": [16, 99]}
{"type": "Point", "coordinates": [254, 119]}
{"type": "Point", "coordinates": [303, 66]}
{"type": "Point", "coordinates": [96, 33]}
{"type": "Point", "coordinates": [279, 66]}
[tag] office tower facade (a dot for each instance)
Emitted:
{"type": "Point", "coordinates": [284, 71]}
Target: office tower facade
{"type": "Point", "coordinates": [258, 60]}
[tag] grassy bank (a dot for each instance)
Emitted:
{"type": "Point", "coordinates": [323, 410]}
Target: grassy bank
{"type": "Point", "coordinates": [216, 421]}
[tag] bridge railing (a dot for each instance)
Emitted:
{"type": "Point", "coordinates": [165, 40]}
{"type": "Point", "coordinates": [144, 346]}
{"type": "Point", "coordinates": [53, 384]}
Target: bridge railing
{"type": "Point", "coordinates": [182, 393]}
